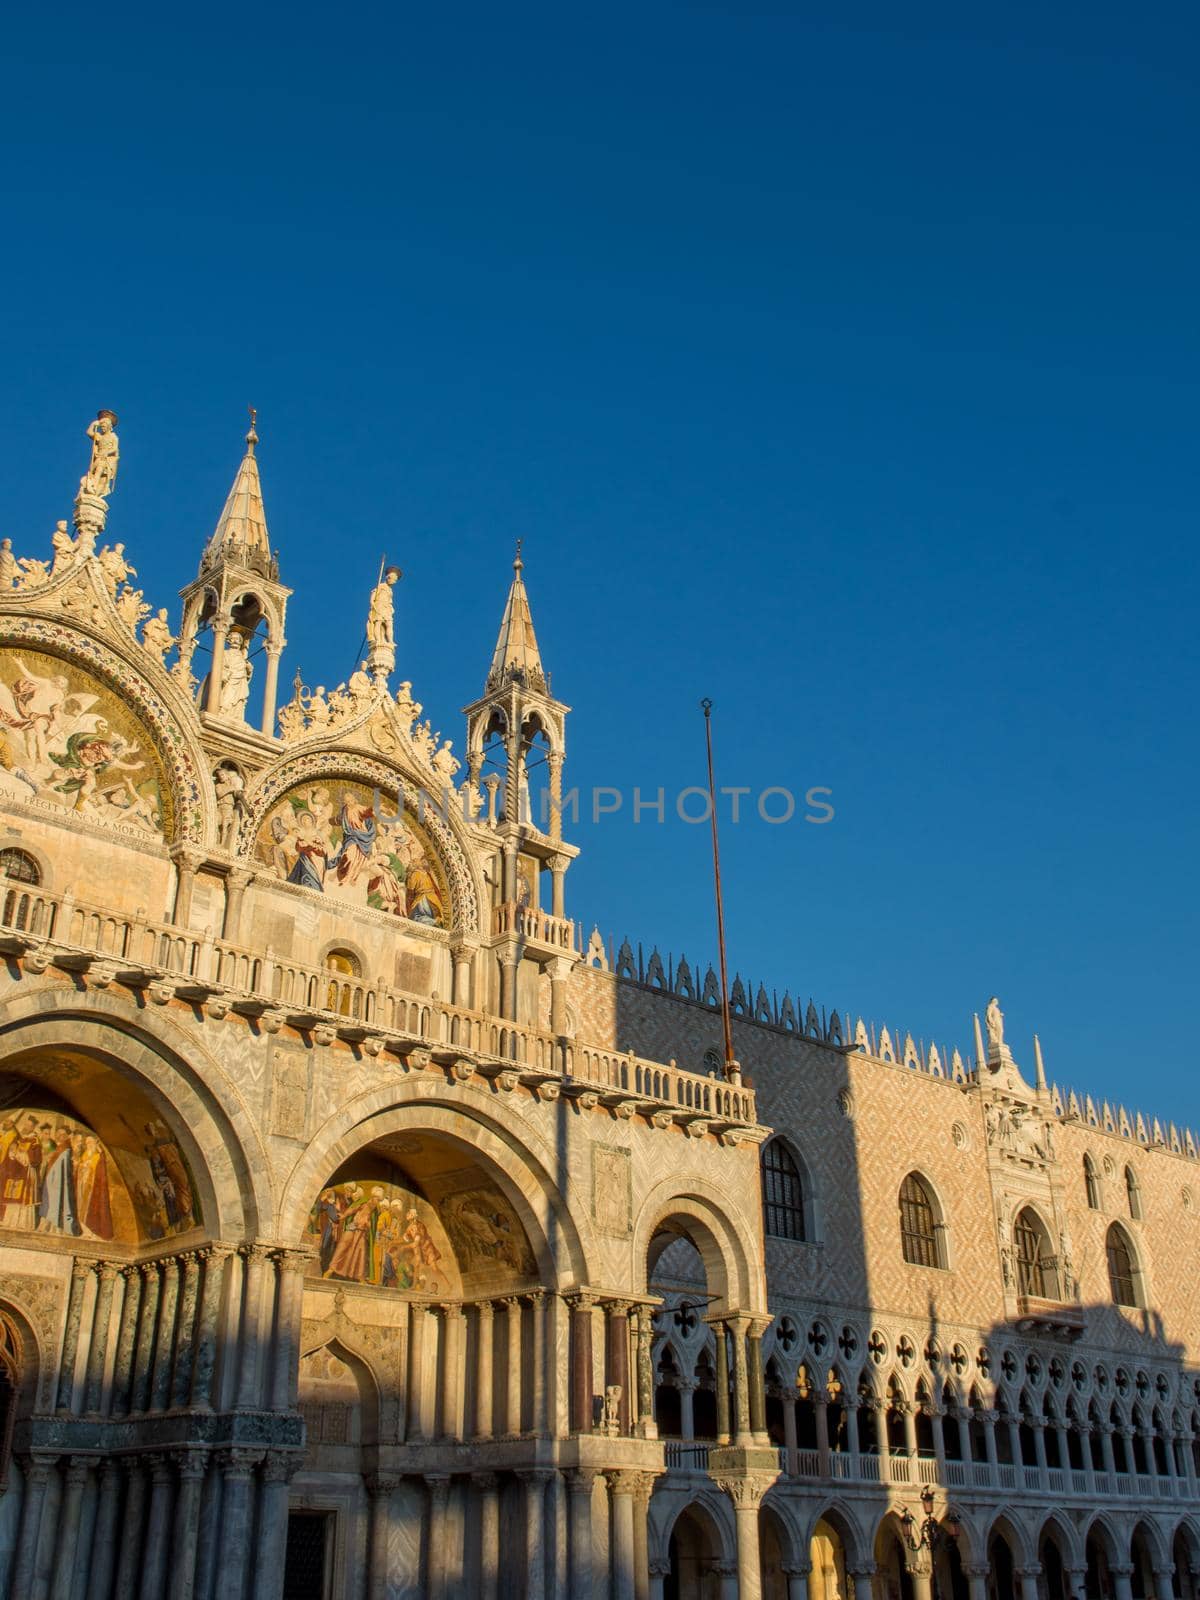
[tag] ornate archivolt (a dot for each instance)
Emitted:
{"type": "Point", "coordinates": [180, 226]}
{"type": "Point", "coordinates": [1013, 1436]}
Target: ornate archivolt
{"type": "Point", "coordinates": [499, 1144]}
{"type": "Point", "coordinates": [123, 697]}
{"type": "Point", "coordinates": [411, 807]}
{"type": "Point", "coordinates": [727, 1247]}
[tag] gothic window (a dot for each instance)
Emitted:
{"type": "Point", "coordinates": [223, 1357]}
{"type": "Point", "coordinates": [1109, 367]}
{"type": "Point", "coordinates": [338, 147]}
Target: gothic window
{"type": "Point", "coordinates": [18, 867]}
{"type": "Point", "coordinates": [1037, 1271]}
{"type": "Point", "coordinates": [1134, 1194]}
{"type": "Point", "coordinates": [1091, 1183]}
{"type": "Point", "coordinates": [919, 1226]}
{"type": "Point", "coordinates": [783, 1193]}
{"type": "Point", "coordinates": [1121, 1269]}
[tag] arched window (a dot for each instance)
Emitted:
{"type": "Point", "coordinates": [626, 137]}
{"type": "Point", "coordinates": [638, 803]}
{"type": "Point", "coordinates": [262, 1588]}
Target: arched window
{"type": "Point", "coordinates": [918, 1224]}
{"type": "Point", "coordinates": [1134, 1194]}
{"type": "Point", "coordinates": [18, 867]}
{"type": "Point", "coordinates": [342, 964]}
{"type": "Point", "coordinates": [1037, 1270]}
{"type": "Point", "coordinates": [10, 1384]}
{"type": "Point", "coordinates": [1121, 1271]}
{"type": "Point", "coordinates": [783, 1193]}
{"type": "Point", "coordinates": [1091, 1183]}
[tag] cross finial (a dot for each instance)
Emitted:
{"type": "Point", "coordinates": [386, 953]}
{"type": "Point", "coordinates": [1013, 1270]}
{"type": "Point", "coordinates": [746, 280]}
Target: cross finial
{"type": "Point", "coordinates": [252, 436]}
{"type": "Point", "coordinates": [517, 562]}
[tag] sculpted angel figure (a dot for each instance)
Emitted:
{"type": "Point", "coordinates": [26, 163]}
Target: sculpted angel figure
{"type": "Point", "coordinates": [106, 452]}
{"type": "Point", "coordinates": [114, 566]}
{"type": "Point", "coordinates": [157, 637]}
{"type": "Point", "coordinates": [381, 616]}
{"type": "Point", "coordinates": [407, 709]}
{"type": "Point", "coordinates": [64, 549]}
{"type": "Point", "coordinates": [131, 607]}
{"type": "Point", "coordinates": [445, 763]}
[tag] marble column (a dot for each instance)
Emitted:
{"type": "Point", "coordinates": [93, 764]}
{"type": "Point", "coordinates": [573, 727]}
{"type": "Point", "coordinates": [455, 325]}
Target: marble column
{"type": "Point", "coordinates": [143, 1354]}
{"type": "Point", "coordinates": [285, 1352]}
{"type": "Point", "coordinates": [755, 1380]}
{"type": "Point", "coordinates": [1038, 1424]}
{"type": "Point", "coordinates": [104, 1531]}
{"type": "Point", "coordinates": [129, 1558]}
{"type": "Point", "coordinates": [191, 1466]}
{"type": "Point", "coordinates": [80, 1273]}
{"type": "Point", "coordinates": [36, 1472]}
{"type": "Point", "coordinates": [580, 1483]}
{"type": "Point", "coordinates": [67, 1537]}
{"type": "Point", "coordinates": [271, 1544]}
{"type": "Point", "coordinates": [122, 1382]}
{"type": "Point", "coordinates": [797, 1581]}
{"type": "Point", "coordinates": [512, 1407]}
{"type": "Point", "coordinates": [454, 1373]}
{"type": "Point", "coordinates": [381, 1486]}
{"type": "Point", "coordinates": [1164, 1582]}
{"type": "Point", "coordinates": [962, 1420]}
{"type": "Point", "coordinates": [1028, 1579]}
{"type": "Point", "coordinates": [789, 1434]}
{"type": "Point", "coordinates": [910, 1430]}
{"type": "Point", "coordinates": [862, 1575]}
{"type": "Point", "coordinates": [93, 1384]}
{"type": "Point", "coordinates": [821, 1413]}
{"type": "Point", "coordinates": [462, 978]}
{"type": "Point", "coordinates": [922, 1583]}
{"type": "Point", "coordinates": [621, 1487]}
{"type": "Point", "coordinates": [1106, 1449]}
{"type": "Point", "coordinates": [508, 985]}
{"type": "Point", "coordinates": [185, 1342]}
{"type": "Point", "coordinates": [488, 1486]}
{"type": "Point", "coordinates": [237, 1520]}
{"type": "Point", "coordinates": [484, 1397]}
{"type": "Point", "coordinates": [215, 1258]}
{"type": "Point", "coordinates": [164, 1345]}
{"type": "Point", "coordinates": [641, 1523]}
{"type": "Point", "coordinates": [659, 1571]}
{"type": "Point", "coordinates": [439, 1499]}
{"type": "Point", "coordinates": [534, 1481]}
{"type": "Point", "coordinates": [541, 1378]}
{"type": "Point", "coordinates": [976, 1574]}
{"type": "Point", "coordinates": [252, 1334]}
{"type": "Point", "coordinates": [616, 1355]}
{"type": "Point", "coordinates": [1120, 1575]}
{"type": "Point", "coordinates": [687, 1409]}
{"type": "Point", "coordinates": [271, 687]}
{"type": "Point", "coordinates": [741, 1395]}
{"type": "Point", "coordinates": [187, 865]}
{"type": "Point", "coordinates": [988, 1418]}
{"type": "Point", "coordinates": [746, 1494]}
{"type": "Point", "coordinates": [154, 1552]}
{"type": "Point", "coordinates": [212, 698]}
{"type": "Point", "coordinates": [236, 883]}
{"type": "Point", "coordinates": [420, 1423]}
{"type": "Point", "coordinates": [722, 1379]}
{"type": "Point", "coordinates": [582, 1383]}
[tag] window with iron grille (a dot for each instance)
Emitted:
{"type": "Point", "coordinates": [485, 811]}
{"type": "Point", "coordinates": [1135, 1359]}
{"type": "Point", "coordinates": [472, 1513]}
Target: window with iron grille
{"type": "Point", "coordinates": [1036, 1274]}
{"type": "Point", "coordinates": [783, 1193]}
{"type": "Point", "coordinates": [918, 1224]}
{"type": "Point", "coordinates": [19, 865]}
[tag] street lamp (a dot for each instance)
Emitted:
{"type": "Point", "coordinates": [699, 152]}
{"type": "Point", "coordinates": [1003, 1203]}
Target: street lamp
{"type": "Point", "coordinates": [928, 1534]}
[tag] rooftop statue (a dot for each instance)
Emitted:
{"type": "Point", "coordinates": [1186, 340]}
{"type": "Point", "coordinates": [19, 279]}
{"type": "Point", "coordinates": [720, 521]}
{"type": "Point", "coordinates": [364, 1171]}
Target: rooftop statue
{"type": "Point", "coordinates": [381, 616]}
{"type": "Point", "coordinates": [101, 474]}
{"type": "Point", "coordinates": [994, 1019]}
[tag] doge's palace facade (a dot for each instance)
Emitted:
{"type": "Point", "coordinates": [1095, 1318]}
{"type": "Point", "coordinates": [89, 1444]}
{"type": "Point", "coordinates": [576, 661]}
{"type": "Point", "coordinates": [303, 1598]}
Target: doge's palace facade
{"type": "Point", "coordinates": [367, 1233]}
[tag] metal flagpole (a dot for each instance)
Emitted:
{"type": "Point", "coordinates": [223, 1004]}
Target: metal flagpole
{"type": "Point", "coordinates": [732, 1070]}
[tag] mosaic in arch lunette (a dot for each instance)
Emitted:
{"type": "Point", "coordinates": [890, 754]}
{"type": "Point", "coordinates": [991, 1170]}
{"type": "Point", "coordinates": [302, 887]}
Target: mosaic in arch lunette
{"type": "Point", "coordinates": [69, 743]}
{"type": "Point", "coordinates": [377, 1233]}
{"type": "Point", "coordinates": [342, 839]}
{"type": "Point", "coordinates": [58, 1177]}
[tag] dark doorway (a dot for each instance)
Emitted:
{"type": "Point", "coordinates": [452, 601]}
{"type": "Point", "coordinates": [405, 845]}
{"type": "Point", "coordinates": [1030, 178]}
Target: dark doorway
{"type": "Point", "coordinates": [309, 1547]}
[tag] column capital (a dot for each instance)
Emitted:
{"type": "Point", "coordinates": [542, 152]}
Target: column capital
{"type": "Point", "coordinates": [486, 1482]}
{"type": "Point", "coordinates": [581, 1480]}
{"type": "Point", "coordinates": [82, 1269]}
{"type": "Point", "coordinates": [1033, 1570]}
{"type": "Point", "coordinates": [77, 1470]}
{"type": "Point", "coordinates": [795, 1569]}
{"type": "Point", "coordinates": [238, 1464]}
{"type": "Point", "coordinates": [617, 1308]}
{"type": "Point", "coordinates": [623, 1480]}
{"type": "Point", "coordinates": [536, 1475]}
{"type": "Point", "coordinates": [581, 1300]}
{"type": "Point", "coordinates": [280, 1466]}
{"type": "Point", "coordinates": [438, 1484]}
{"type": "Point", "coordinates": [380, 1484]}
{"type": "Point", "coordinates": [1119, 1569]}
{"type": "Point", "coordinates": [485, 1308]}
{"type": "Point", "coordinates": [863, 1569]}
{"type": "Point", "coordinates": [160, 1466]}
{"type": "Point", "coordinates": [745, 1492]}
{"type": "Point", "coordinates": [293, 1258]}
{"type": "Point", "coordinates": [978, 1569]}
{"type": "Point", "coordinates": [190, 1464]}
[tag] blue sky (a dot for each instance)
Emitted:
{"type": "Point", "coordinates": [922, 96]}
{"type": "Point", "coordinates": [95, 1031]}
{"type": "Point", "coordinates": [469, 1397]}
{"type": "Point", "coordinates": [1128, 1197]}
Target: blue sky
{"type": "Point", "coordinates": [842, 369]}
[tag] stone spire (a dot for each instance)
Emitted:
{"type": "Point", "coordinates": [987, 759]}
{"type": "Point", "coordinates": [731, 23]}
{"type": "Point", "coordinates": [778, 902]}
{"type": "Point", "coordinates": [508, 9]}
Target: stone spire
{"type": "Point", "coordinates": [516, 658]}
{"type": "Point", "coordinates": [240, 537]}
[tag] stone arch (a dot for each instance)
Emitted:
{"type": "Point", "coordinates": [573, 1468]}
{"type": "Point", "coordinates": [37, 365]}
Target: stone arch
{"type": "Point", "coordinates": [342, 1345]}
{"type": "Point", "coordinates": [707, 1509]}
{"type": "Point", "coordinates": [1150, 1533]}
{"type": "Point", "coordinates": [844, 1523]}
{"type": "Point", "coordinates": [695, 1208]}
{"type": "Point", "coordinates": [1058, 1527]}
{"type": "Point", "coordinates": [508, 1150]}
{"type": "Point", "coordinates": [168, 717]}
{"type": "Point", "coordinates": [444, 827]}
{"type": "Point", "coordinates": [191, 1092]}
{"type": "Point", "coordinates": [779, 1545]}
{"type": "Point", "coordinates": [1015, 1534]}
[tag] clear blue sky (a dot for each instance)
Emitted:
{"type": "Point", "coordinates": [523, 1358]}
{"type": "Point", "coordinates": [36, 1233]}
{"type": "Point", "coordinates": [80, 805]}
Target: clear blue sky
{"type": "Point", "coordinates": [842, 370]}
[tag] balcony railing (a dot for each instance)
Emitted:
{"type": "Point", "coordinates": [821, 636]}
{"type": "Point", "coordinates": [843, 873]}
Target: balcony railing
{"type": "Point", "coordinates": [537, 927]}
{"type": "Point", "coordinates": [904, 1470]}
{"type": "Point", "coordinates": [687, 1455]}
{"type": "Point", "coordinates": [215, 972]}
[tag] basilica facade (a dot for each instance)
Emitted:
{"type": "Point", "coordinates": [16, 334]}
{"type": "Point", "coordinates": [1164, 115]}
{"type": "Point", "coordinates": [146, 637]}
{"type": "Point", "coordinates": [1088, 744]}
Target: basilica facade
{"type": "Point", "coordinates": [370, 1231]}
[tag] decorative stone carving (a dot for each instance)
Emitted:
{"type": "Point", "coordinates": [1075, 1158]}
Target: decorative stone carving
{"type": "Point", "coordinates": [157, 637]}
{"type": "Point", "coordinates": [236, 673]}
{"type": "Point", "coordinates": [101, 474]}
